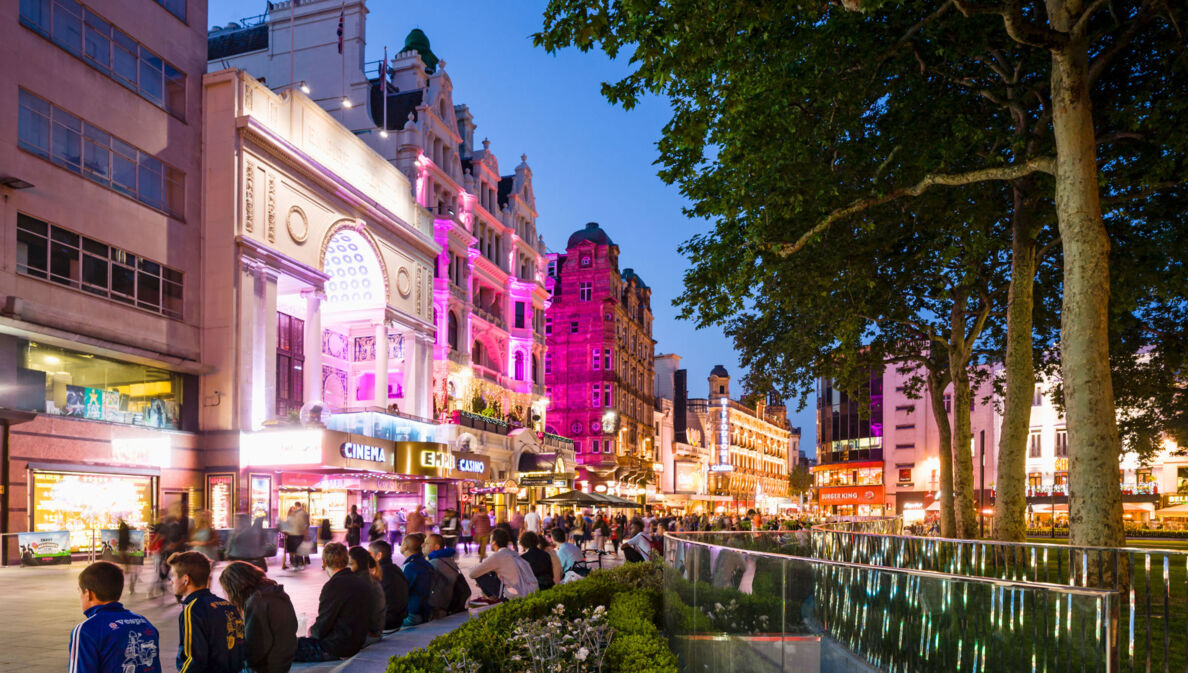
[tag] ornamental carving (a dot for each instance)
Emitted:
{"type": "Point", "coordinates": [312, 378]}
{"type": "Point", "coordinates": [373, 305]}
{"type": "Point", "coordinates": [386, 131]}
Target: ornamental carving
{"type": "Point", "coordinates": [420, 303]}
{"type": "Point", "coordinates": [249, 198]}
{"type": "Point", "coordinates": [404, 282]}
{"type": "Point", "coordinates": [271, 209]}
{"type": "Point", "coordinates": [297, 224]}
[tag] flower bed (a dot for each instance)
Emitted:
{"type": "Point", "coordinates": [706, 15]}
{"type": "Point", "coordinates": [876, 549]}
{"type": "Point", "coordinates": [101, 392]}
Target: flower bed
{"type": "Point", "coordinates": [630, 596]}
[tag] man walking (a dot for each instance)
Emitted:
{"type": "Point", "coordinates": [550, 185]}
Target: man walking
{"type": "Point", "coordinates": [354, 527]}
{"type": "Point", "coordinates": [480, 527]}
{"type": "Point", "coordinates": [212, 638]}
{"type": "Point", "coordinates": [532, 521]}
{"type": "Point", "coordinates": [111, 639]}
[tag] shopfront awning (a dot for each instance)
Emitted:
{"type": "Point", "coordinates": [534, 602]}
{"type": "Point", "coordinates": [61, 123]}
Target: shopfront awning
{"type": "Point", "coordinates": [1174, 510]}
{"type": "Point", "coordinates": [710, 498]}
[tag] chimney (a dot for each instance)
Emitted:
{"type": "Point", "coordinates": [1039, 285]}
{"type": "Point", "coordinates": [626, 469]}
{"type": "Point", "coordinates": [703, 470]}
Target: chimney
{"type": "Point", "coordinates": [680, 407]}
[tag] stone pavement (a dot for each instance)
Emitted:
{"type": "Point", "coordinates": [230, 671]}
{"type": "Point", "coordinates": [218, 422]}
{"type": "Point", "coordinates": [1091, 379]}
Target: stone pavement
{"type": "Point", "coordinates": [44, 607]}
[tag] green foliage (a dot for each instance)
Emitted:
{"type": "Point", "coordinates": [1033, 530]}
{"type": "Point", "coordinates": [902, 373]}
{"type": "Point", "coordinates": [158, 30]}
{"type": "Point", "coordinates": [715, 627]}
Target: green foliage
{"type": "Point", "coordinates": [801, 480]}
{"type": "Point", "coordinates": [485, 638]}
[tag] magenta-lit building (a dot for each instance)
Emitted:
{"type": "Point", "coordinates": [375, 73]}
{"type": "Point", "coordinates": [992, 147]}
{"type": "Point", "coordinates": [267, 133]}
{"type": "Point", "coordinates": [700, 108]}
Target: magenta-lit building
{"type": "Point", "coordinates": [598, 367]}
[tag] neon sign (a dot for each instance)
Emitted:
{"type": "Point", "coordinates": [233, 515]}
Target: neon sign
{"type": "Point", "coordinates": [358, 451]}
{"type": "Point", "coordinates": [437, 459]}
{"type": "Point", "coordinates": [468, 465]}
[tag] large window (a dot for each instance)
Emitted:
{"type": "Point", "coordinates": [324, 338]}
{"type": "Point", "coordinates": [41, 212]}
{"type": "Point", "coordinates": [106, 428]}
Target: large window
{"type": "Point", "coordinates": [58, 136]}
{"type": "Point", "coordinates": [585, 290]}
{"type": "Point", "coordinates": [519, 315]}
{"type": "Point", "coordinates": [290, 364]}
{"type": "Point", "coordinates": [62, 256]}
{"type": "Point", "coordinates": [88, 386]}
{"type": "Point", "coordinates": [452, 330]}
{"type": "Point", "coordinates": [1061, 443]}
{"type": "Point", "coordinates": [109, 50]}
{"type": "Point", "coordinates": [1035, 446]}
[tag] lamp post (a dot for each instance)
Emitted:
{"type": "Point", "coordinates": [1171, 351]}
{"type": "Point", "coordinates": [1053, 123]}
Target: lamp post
{"type": "Point", "coordinates": [982, 486]}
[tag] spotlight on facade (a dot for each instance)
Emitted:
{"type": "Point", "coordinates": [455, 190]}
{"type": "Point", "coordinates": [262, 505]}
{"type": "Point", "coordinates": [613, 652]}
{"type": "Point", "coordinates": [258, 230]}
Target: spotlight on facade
{"type": "Point", "coordinates": [383, 134]}
{"type": "Point", "coordinates": [304, 88]}
{"type": "Point", "coordinates": [346, 103]}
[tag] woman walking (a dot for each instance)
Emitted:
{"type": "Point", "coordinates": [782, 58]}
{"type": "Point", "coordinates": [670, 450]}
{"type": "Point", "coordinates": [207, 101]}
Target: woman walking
{"type": "Point", "coordinates": [378, 530]}
{"type": "Point", "coordinates": [270, 623]}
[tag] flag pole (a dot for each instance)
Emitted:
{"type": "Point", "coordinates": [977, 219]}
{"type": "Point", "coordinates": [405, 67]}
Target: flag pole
{"type": "Point", "coordinates": [384, 87]}
{"type": "Point", "coordinates": [342, 47]}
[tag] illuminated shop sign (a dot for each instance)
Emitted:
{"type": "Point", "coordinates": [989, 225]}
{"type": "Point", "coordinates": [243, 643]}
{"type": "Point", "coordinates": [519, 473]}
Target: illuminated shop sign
{"type": "Point", "coordinates": [220, 498]}
{"type": "Point", "coordinates": [723, 436]}
{"type": "Point", "coordinates": [437, 459]}
{"type": "Point", "coordinates": [469, 465]}
{"type": "Point", "coordinates": [721, 468]}
{"type": "Point", "coordinates": [360, 451]}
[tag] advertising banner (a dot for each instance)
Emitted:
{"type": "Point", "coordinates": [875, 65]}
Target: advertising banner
{"type": "Point", "coordinates": [109, 546]}
{"type": "Point", "coordinates": [84, 503]}
{"type": "Point", "coordinates": [220, 494]}
{"type": "Point", "coordinates": [852, 495]}
{"type": "Point", "coordinates": [44, 548]}
{"type": "Point", "coordinates": [260, 491]}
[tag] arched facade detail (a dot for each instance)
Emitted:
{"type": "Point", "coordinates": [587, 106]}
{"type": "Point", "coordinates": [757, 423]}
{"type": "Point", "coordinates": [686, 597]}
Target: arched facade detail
{"type": "Point", "coordinates": [348, 224]}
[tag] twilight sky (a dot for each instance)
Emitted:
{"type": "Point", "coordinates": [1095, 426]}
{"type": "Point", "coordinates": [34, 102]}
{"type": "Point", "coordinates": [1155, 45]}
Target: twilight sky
{"type": "Point", "coordinates": [591, 162]}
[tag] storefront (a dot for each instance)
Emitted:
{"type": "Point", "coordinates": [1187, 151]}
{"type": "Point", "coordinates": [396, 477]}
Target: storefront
{"type": "Point", "coordinates": [850, 489]}
{"type": "Point", "coordinates": [86, 499]}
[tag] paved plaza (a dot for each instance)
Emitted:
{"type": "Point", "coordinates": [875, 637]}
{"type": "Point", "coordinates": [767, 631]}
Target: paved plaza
{"type": "Point", "coordinates": [35, 634]}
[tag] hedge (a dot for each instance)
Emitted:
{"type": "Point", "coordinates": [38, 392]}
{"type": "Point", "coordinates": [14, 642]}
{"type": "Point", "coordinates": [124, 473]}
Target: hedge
{"type": "Point", "coordinates": [631, 593]}
{"type": "Point", "coordinates": [1135, 533]}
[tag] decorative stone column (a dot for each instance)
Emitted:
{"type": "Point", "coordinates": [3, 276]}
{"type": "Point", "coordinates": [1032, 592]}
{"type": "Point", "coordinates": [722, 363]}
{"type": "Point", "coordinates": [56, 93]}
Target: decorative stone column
{"type": "Point", "coordinates": [313, 345]}
{"type": "Point", "coordinates": [257, 343]}
{"type": "Point", "coordinates": [381, 364]}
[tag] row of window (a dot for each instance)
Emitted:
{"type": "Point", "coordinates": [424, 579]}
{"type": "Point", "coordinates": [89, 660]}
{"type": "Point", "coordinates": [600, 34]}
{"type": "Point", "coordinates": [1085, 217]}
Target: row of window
{"type": "Point", "coordinates": [1035, 445]}
{"type": "Point", "coordinates": [601, 358]}
{"type": "Point", "coordinates": [601, 395]}
{"type": "Point", "coordinates": [596, 446]}
{"type": "Point", "coordinates": [63, 256]}
{"type": "Point", "coordinates": [109, 50]}
{"type": "Point", "coordinates": [53, 134]}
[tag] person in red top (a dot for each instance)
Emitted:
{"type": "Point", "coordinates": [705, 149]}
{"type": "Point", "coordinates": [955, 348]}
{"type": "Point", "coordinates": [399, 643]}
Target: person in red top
{"type": "Point", "coordinates": [480, 528]}
{"type": "Point", "coordinates": [416, 522]}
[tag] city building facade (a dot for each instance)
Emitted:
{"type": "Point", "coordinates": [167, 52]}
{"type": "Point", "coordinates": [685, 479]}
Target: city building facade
{"type": "Point", "coordinates": [751, 448]}
{"type": "Point", "coordinates": [101, 183]}
{"type": "Point", "coordinates": [598, 366]}
{"type": "Point", "coordinates": [487, 286]}
{"type": "Point", "coordinates": [684, 458]}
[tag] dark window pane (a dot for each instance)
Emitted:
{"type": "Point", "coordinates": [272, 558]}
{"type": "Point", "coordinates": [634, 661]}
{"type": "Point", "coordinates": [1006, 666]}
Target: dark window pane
{"type": "Point", "coordinates": [123, 169]}
{"type": "Point", "coordinates": [148, 291]}
{"type": "Point", "coordinates": [172, 275]}
{"type": "Point", "coordinates": [151, 84]}
{"type": "Point", "coordinates": [175, 7]}
{"type": "Point", "coordinates": [65, 236]}
{"type": "Point", "coordinates": [36, 14]}
{"type": "Point", "coordinates": [175, 91]}
{"type": "Point", "coordinates": [94, 247]}
{"type": "Point", "coordinates": [122, 257]}
{"type": "Point", "coordinates": [172, 299]}
{"type": "Point", "coordinates": [282, 331]}
{"type": "Point", "coordinates": [68, 25]}
{"type": "Point", "coordinates": [32, 224]}
{"type": "Point", "coordinates": [95, 271]}
{"type": "Point", "coordinates": [33, 124]}
{"type": "Point", "coordinates": [124, 59]}
{"type": "Point", "coordinates": [64, 263]}
{"type": "Point", "coordinates": [97, 154]}
{"type": "Point", "coordinates": [67, 140]}
{"type": "Point", "coordinates": [32, 251]}
{"type": "Point", "coordinates": [297, 337]}
{"type": "Point", "coordinates": [150, 187]}
{"type": "Point", "coordinates": [123, 282]}
{"type": "Point", "coordinates": [150, 267]}
{"type": "Point", "coordinates": [97, 41]}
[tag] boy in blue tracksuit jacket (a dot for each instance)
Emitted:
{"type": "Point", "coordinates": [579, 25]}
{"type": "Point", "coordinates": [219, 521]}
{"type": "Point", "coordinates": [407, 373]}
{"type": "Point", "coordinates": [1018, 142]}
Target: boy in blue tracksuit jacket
{"type": "Point", "coordinates": [211, 628]}
{"type": "Point", "coordinates": [111, 639]}
{"type": "Point", "coordinates": [419, 574]}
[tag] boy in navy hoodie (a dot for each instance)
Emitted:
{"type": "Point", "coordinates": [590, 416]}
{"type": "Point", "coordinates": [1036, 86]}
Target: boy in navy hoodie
{"type": "Point", "coordinates": [111, 639]}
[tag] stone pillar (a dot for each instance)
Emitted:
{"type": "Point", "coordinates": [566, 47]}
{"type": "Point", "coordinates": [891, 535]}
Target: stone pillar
{"type": "Point", "coordinates": [411, 380]}
{"type": "Point", "coordinates": [381, 364]}
{"type": "Point", "coordinates": [424, 355]}
{"type": "Point", "coordinates": [313, 346]}
{"type": "Point", "coordinates": [256, 386]}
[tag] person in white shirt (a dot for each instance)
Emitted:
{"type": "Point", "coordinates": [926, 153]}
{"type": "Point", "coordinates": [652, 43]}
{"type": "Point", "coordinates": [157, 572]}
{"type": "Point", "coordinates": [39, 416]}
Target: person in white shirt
{"type": "Point", "coordinates": [502, 570]}
{"type": "Point", "coordinates": [532, 521]}
{"type": "Point", "coordinates": [640, 542]}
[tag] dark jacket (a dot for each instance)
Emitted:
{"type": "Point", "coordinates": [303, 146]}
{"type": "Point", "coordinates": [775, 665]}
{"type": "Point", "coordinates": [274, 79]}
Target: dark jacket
{"type": "Point", "coordinates": [341, 626]}
{"type": "Point", "coordinates": [271, 630]}
{"type": "Point", "coordinates": [445, 562]}
{"type": "Point", "coordinates": [212, 635]}
{"type": "Point", "coordinates": [395, 594]}
{"type": "Point", "coordinates": [542, 566]}
{"type": "Point", "coordinates": [419, 574]}
{"type": "Point", "coordinates": [111, 637]}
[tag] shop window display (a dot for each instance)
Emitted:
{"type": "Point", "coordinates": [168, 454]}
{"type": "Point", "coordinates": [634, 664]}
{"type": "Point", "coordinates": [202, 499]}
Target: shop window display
{"type": "Point", "coordinates": [83, 385]}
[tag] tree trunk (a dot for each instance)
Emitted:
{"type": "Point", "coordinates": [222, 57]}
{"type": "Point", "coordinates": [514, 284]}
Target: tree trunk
{"type": "Point", "coordinates": [936, 392]}
{"type": "Point", "coordinates": [965, 512]}
{"type": "Point", "coordinates": [1010, 500]}
{"type": "Point", "coordinates": [1095, 496]}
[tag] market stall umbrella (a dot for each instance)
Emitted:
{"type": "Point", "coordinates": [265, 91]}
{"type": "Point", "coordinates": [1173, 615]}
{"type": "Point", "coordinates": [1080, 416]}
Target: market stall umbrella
{"type": "Point", "coordinates": [574, 498]}
{"type": "Point", "coordinates": [616, 501]}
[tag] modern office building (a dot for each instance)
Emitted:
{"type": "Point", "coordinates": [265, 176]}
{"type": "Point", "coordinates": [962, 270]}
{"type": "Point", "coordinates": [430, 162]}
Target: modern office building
{"type": "Point", "coordinates": [599, 364]}
{"type": "Point", "coordinates": [101, 185]}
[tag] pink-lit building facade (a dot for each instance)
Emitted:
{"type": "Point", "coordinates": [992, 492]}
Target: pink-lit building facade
{"type": "Point", "coordinates": [599, 366]}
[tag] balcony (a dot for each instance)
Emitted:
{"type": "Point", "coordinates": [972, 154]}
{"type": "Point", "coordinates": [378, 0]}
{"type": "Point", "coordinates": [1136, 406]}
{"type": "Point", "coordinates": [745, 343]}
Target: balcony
{"type": "Point", "coordinates": [490, 317]}
{"type": "Point", "coordinates": [484, 372]}
{"type": "Point", "coordinates": [392, 426]}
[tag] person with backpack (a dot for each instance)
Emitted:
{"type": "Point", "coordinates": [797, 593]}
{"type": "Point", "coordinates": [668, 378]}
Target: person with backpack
{"type": "Point", "coordinates": [419, 574]}
{"type": "Point", "coordinates": [451, 591]}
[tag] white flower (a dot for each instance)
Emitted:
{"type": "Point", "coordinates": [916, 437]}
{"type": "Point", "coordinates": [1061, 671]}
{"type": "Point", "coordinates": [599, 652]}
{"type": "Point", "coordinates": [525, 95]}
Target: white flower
{"type": "Point", "coordinates": [582, 654]}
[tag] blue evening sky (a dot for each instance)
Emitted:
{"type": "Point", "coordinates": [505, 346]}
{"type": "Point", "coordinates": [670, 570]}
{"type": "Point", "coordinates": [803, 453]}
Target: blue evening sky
{"type": "Point", "coordinates": [591, 162]}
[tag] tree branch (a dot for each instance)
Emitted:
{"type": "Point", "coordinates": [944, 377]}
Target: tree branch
{"type": "Point", "coordinates": [1010, 172]}
{"type": "Point", "coordinates": [1082, 23]}
{"type": "Point", "coordinates": [1017, 25]}
{"type": "Point", "coordinates": [1103, 61]}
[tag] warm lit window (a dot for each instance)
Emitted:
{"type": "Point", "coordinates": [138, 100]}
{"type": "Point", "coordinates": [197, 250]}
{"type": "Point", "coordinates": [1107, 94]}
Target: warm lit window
{"type": "Point", "coordinates": [905, 474]}
{"type": "Point", "coordinates": [290, 362]}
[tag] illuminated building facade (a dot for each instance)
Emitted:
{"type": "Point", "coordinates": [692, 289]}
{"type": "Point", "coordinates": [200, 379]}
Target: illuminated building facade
{"type": "Point", "coordinates": [599, 365]}
{"type": "Point", "coordinates": [751, 449]}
